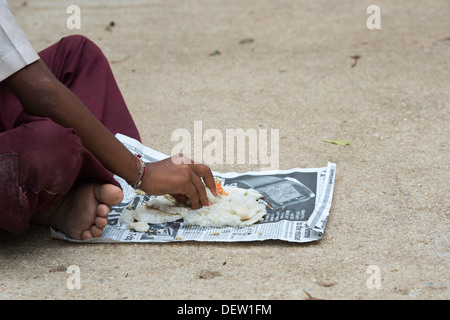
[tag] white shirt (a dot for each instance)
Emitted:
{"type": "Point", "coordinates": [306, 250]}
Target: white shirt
{"type": "Point", "coordinates": [16, 51]}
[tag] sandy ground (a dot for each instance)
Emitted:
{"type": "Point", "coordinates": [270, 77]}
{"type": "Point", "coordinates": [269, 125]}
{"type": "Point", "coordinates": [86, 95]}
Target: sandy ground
{"type": "Point", "coordinates": [391, 201]}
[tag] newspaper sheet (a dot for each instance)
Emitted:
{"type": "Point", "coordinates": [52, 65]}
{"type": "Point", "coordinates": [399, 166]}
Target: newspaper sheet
{"type": "Point", "coordinates": [300, 201]}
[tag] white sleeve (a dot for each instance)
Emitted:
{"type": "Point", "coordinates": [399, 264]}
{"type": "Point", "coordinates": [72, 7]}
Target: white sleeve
{"type": "Point", "coordinates": [16, 51]}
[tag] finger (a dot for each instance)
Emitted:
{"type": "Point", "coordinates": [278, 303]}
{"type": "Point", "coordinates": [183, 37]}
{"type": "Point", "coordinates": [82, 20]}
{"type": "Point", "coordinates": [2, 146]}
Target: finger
{"type": "Point", "coordinates": [205, 172]}
{"type": "Point", "coordinates": [180, 197]}
{"type": "Point", "coordinates": [198, 183]}
{"type": "Point", "coordinates": [192, 194]}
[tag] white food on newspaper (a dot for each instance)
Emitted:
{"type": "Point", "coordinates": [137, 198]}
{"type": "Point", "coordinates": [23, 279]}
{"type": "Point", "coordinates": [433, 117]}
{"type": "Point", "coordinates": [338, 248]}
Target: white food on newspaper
{"type": "Point", "coordinates": [233, 207]}
{"type": "Point", "coordinates": [295, 208]}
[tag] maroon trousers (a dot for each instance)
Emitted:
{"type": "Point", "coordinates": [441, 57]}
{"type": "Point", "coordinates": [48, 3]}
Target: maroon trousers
{"type": "Point", "coordinates": [40, 161]}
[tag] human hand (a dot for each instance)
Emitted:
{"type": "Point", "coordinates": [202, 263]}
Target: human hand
{"type": "Point", "coordinates": [180, 177]}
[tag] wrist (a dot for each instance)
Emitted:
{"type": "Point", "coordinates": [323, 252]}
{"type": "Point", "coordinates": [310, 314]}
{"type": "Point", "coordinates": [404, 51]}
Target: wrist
{"type": "Point", "coordinates": [145, 181]}
{"type": "Point", "coordinates": [140, 168]}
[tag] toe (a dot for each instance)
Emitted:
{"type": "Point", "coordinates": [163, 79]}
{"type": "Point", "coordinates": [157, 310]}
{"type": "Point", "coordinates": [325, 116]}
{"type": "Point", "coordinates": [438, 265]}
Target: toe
{"type": "Point", "coordinates": [96, 232]}
{"type": "Point", "coordinates": [86, 235]}
{"type": "Point", "coordinates": [109, 194]}
{"type": "Point", "coordinates": [101, 222]}
{"type": "Point", "coordinates": [102, 210]}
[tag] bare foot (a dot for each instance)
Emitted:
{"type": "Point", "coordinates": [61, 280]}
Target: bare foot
{"type": "Point", "coordinates": [81, 213]}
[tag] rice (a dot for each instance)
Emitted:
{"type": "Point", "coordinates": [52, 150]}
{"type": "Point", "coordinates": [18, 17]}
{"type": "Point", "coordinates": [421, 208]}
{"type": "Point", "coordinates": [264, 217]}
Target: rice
{"type": "Point", "coordinates": [234, 207]}
{"type": "Point", "coordinates": [139, 226]}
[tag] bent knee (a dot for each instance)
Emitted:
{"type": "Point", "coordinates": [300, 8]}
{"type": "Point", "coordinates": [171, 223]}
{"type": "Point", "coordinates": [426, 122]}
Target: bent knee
{"type": "Point", "coordinates": [80, 43]}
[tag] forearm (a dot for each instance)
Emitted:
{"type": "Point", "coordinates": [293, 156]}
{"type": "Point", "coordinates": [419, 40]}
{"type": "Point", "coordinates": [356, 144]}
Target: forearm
{"type": "Point", "coordinates": [43, 95]}
{"type": "Point", "coordinates": [95, 137]}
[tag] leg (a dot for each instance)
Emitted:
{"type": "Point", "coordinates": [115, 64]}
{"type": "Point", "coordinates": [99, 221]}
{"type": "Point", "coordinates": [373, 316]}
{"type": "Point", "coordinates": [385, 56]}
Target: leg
{"type": "Point", "coordinates": [80, 65]}
{"type": "Point", "coordinates": [40, 162]}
